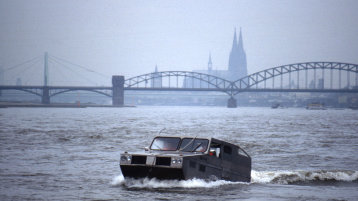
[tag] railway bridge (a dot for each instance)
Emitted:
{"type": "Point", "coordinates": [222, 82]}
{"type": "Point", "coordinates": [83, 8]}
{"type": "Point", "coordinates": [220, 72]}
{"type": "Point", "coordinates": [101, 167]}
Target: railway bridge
{"type": "Point", "coordinates": [322, 77]}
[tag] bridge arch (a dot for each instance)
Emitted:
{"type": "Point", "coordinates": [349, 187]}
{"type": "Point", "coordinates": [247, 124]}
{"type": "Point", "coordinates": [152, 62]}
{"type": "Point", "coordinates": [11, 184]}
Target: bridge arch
{"type": "Point", "coordinates": [91, 90]}
{"type": "Point", "coordinates": [261, 76]}
{"type": "Point", "coordinates": [22, 89]}
{"type": "Point", "coordinates": [210, 82]}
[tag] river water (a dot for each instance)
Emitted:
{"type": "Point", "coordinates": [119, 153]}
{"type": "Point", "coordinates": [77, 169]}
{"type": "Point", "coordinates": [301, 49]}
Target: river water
{"type": "Point", "coordinates": [73, 153]}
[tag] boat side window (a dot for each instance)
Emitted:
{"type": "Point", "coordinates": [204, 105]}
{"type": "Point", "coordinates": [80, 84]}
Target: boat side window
{"type": "Point", "coordinates": [215, 150]}
{"type": "Point", "coordinates": [194, 145]}
{"type": "Point", "coordinates": [240, 152]}
{"type": "Point", "coordinates": [228, 153]}
{"type": "Point", "coordinates": [227, 150]}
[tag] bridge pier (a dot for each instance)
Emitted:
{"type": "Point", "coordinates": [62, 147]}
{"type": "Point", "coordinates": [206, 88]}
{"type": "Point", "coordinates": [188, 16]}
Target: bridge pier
{"type": "Point", "coordinates": [45, 99]}
{"type": "Point", "coordinates": [231, 103]}
{"type": "Point", "coordinates": [117, 90]}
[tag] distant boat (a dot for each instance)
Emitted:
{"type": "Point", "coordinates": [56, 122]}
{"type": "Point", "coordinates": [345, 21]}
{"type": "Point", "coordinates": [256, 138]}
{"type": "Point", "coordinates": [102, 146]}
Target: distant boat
{"type": "Point", "coordinates": [275, 105]}
{"type": "Point", "coordinates": [316, 106]}
{"type": "Point", "coordinates": [278, 105]}
{"type": "Point", "coordinates": [353, 107]}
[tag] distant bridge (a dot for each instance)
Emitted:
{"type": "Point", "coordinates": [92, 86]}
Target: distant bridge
{"type": "Point", "coordinates": [262, 76]}
{"type": "Point", "coordinates": [296, 75]}
{"type": "Point", "coordinates": [256, 82]}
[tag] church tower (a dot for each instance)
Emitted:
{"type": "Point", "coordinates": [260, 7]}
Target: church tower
{"type": "Point", "coordinates": [210, 64]}
{"type": "Point", "coordinates": [242, 64]}
{"type": "Point", "coordinates": [237, 59]}
{"type": "Point", "coordinates": [233, 59]}
{"type": "Point", "coordinates": [156, 81]}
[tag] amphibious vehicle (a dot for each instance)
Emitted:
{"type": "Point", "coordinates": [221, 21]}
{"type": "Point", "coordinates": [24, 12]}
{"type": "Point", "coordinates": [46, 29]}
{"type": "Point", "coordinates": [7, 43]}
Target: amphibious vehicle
{"type": "Point", "coordinates": [183, 158]}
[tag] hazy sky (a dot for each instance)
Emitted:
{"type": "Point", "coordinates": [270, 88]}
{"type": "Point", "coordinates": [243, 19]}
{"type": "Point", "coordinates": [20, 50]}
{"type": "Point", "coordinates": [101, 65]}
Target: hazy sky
{"type": "Point", "coordinates": [131, 37]}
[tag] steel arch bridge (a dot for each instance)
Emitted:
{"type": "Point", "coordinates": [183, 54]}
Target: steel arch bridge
{"type": "Point", "coordinates": [178, 81]}
{"type": "Point", "coordinates": [254, 79]}
{"type": "Point", "coordinates": [194, 81]}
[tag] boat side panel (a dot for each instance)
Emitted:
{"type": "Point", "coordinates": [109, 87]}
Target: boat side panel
{"type": "Point", "coordinates": [236, 167]}
{"type": "Point", "coordinates": [201, 167]}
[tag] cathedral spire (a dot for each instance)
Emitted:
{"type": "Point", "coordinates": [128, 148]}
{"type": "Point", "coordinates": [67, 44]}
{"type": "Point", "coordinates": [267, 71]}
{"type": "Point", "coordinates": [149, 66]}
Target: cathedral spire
{"type": "Point", "coordinates": [234, 42]}
{"type": "Point", "coordinates": [210, 63]}
{"type": "Point", "coordinates": [233, 58]}
{"type": "Point", "coordinates": [237, 60]}
{"type": "Point", "coordinates": [156, 79]}
{"type": "Point", "coordinates": [240, 45]}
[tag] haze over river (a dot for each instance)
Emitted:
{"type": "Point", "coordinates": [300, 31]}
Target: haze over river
{"type": "Point", "coordinates": [73, 153]}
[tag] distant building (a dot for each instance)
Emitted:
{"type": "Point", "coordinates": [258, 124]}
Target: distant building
{"type": "Point", "coordinates": [312, 85]}
{"type": "Point", "coordinates": [156, 81]}
{"type": "Point", "coordinates": [1, 79]}
{"type": "Point", "coordinates": [18, 82]}
{"type": "Point", "coordinates": [237, 60]}
{"type": "Point", "coordinates": [237, 67]}
{"type": "Point", "coordinates": [320, 84]}
{"type": "Point", "coordinates": [2, 76]}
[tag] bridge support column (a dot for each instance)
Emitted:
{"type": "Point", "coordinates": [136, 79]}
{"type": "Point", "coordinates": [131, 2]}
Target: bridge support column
{"type": "Point", "coordinates": [117, 90]}
{"type": "Point", "coordinates": [231, 103]}
{"type": "Point", "coordinates": [45, 99]}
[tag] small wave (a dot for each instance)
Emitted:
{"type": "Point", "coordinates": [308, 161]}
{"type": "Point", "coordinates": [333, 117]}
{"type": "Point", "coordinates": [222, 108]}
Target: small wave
{"type": "Point", "coordinates": [27, 175]}
{"type": "Point", "coordinates": [147, 183]}
{"type": "Point", "coordinates": [28, 130]}
{"type": "Point", "coordinates": [291, 177]}
{"type": "Point", "coordinates": [63, 139]}
{"type": "Point", "coordinates": [95, 136]}
{"type": "Point", "coordinates": [261, 177]}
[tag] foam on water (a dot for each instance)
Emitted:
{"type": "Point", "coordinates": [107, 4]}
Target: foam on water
{"type": "Point", "coordinates": [118, 180]}
{"type": "Point", "coordinates": [261, 177]}
{"type": "Point", "coordinates": [154, 183]}
{"type": "Point", "coordinates": [289, 177]}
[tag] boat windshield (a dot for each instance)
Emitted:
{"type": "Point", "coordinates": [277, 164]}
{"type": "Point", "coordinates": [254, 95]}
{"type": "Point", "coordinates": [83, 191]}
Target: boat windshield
{"type": "Point", "coordinates": [194, 145]}
{"type": "Point", "coordinates": [165, 143]}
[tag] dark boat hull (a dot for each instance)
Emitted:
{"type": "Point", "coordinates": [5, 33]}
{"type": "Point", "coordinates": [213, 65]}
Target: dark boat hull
{"type": "Point", "coordinates": [161, 173]}
{"type": "Point", "coordinates": [220, 161]}
{"type": "Point", "coordinates": [200, 167]}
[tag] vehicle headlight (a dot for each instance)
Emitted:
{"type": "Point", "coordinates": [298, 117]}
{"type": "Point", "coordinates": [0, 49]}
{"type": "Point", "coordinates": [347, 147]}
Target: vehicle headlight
{"type": "Point", "coordinates": [126, 158]}
{"type": "Point", "coordinates": [177, 160]}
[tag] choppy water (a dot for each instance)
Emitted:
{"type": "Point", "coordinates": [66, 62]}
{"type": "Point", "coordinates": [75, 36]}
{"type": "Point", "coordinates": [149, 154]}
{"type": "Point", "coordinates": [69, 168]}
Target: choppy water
{"type": "Point", "coordinates": [73, 154]}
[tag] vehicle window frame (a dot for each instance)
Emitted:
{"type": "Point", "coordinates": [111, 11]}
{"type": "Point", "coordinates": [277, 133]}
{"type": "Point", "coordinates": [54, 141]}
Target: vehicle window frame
{"type": "Point", "coordinates": [178, 144]}
{"type": "Point", "coordinates": [195, 139]}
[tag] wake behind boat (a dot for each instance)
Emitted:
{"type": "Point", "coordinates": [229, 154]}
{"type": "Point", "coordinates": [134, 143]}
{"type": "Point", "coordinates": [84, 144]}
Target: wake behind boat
{"type": "Point", "coordinates": [183, 158]}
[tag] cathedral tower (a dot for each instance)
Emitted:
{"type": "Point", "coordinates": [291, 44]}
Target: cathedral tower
{"type": "Point", "coordinates": [210, 64]}
{"type": "Point", "coordinates": [237, 59]}
{"type": "Point", "coordinates": [156, 81]}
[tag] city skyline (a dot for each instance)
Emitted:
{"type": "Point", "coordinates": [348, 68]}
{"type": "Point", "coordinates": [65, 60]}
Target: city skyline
{"type": "Point", "coordinates": [131, 37]}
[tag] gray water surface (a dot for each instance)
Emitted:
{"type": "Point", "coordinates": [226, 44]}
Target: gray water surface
{"type": "Point", "coordinates": [73, 153]}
